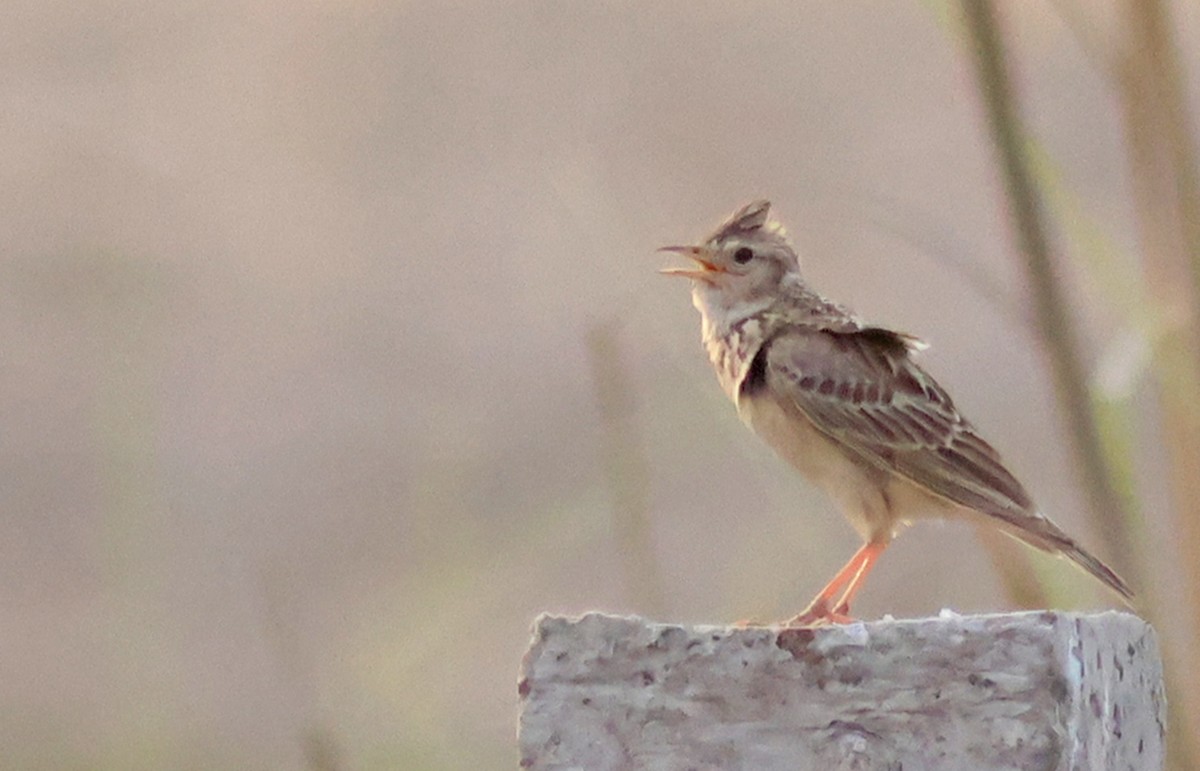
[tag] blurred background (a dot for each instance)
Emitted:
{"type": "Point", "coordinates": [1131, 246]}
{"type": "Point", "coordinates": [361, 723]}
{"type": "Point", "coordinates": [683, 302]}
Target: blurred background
{"type": "Point", "coordinates": [335, 350]}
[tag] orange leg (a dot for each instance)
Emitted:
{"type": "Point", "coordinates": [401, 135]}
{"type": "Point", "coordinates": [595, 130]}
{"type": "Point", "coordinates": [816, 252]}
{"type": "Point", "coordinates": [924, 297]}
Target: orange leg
{"type": "Point", "coordinates": [823, 609]}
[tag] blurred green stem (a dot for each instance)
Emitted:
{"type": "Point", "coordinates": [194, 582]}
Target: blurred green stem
{"type": "Point", "coordinates": [627, 472]}
{"type": "Point", "coordinates": [1056, 331]}
{"type": "Point", "coordinates": [1155, 56]}
{"type": "Point", "coordinates": [1166, 194]}
{"type": "Point", "coordinates": [1011, 562]}
{"type": "Point", "coordinates": [1054, 327]}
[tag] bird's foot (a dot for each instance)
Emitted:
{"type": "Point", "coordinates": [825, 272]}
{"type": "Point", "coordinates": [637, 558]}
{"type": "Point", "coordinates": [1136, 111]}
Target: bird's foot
{"type": "Point", "coordinates": [820, 614]}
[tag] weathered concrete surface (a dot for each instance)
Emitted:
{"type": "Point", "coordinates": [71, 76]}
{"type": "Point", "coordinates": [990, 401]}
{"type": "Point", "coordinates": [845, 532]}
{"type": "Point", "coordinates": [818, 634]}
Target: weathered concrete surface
{"type": "Point", "coordinates": [1026, 691]}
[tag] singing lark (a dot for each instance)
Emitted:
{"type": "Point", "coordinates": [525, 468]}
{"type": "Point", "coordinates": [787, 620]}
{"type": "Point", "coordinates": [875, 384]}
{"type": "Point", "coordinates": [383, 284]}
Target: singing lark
{"type": "Point", "coordinates": [846, 404]}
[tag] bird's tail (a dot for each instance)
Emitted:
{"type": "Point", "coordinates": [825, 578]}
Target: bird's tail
{"type": "Point", "coordinates": [1040, 532]}
{"type": "Point", "coordinates": [1093, 565]}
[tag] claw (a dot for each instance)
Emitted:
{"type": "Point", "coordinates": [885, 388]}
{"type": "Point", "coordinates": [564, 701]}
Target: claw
{"type": "Point", "coordinates": [819, 614]}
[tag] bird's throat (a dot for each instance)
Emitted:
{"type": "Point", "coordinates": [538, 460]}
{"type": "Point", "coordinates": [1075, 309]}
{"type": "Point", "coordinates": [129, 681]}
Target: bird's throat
{"type": "Point", "coordinates": [732, 347]}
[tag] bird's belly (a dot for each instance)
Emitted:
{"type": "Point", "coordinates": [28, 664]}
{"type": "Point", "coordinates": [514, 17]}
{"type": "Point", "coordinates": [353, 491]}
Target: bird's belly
{"type": "Point", "coordinates": [858, 489]}
{"type": "Point", "coordinates": [798, 442]}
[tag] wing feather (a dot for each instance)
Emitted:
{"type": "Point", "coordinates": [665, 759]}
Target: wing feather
{"type": "Point", "coordinates": [862, 389]}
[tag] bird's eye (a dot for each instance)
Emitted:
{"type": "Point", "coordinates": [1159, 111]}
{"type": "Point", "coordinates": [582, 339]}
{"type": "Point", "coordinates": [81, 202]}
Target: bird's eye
{"type": "Point", "coordinates": [743, 255]}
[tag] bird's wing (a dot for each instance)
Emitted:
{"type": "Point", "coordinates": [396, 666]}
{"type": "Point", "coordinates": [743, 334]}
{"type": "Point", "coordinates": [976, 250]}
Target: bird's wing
{"type": "Point", "coordinates": [861, 389]}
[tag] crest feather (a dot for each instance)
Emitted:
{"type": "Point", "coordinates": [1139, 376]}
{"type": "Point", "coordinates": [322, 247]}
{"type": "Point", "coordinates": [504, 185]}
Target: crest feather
{"type": "Point", "coordinates": [749, 218]}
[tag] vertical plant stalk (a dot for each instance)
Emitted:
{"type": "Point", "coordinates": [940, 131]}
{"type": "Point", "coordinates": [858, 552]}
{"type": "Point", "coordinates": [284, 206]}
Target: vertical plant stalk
{"type": "Point", "coordinates": [1166, 194]}
{"type": "Point", "coordinates": [1053, 325]}
{"type": "Point", "coordinates": [1055, 329]}
{"type": "Point", "coordinates": [626, 467]}
{"type": "Point", "coordinates": [1011, 562]}
{"type": "Point", "coordinates": [1155, 54]}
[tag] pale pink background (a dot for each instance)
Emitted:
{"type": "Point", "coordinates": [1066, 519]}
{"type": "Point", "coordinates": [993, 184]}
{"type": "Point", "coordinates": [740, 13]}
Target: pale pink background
{"type": "Point", "coordinates": [299, 425]}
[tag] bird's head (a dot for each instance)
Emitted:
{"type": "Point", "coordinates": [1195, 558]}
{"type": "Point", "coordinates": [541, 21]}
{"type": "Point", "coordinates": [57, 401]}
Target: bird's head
{"type": "Point", "coordinates": [744, 260]}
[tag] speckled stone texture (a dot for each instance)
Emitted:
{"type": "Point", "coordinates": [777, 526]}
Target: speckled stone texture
{"type": "Point", "coordinates": [1024, 691]}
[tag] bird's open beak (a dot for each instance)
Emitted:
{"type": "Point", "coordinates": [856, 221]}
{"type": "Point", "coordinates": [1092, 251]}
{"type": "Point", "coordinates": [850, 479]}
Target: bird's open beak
{"type": "Point", "coordinates": [704, 272]}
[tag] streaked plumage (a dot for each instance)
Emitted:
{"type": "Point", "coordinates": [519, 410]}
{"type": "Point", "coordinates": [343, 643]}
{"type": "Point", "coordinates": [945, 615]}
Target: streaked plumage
{"type": "Point", "coordinates": [847, 405]}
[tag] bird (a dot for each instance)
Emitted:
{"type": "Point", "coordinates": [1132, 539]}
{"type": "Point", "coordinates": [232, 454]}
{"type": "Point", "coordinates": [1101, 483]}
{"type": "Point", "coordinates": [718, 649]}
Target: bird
{"type": "Point", "coordinates": [848, 406]}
